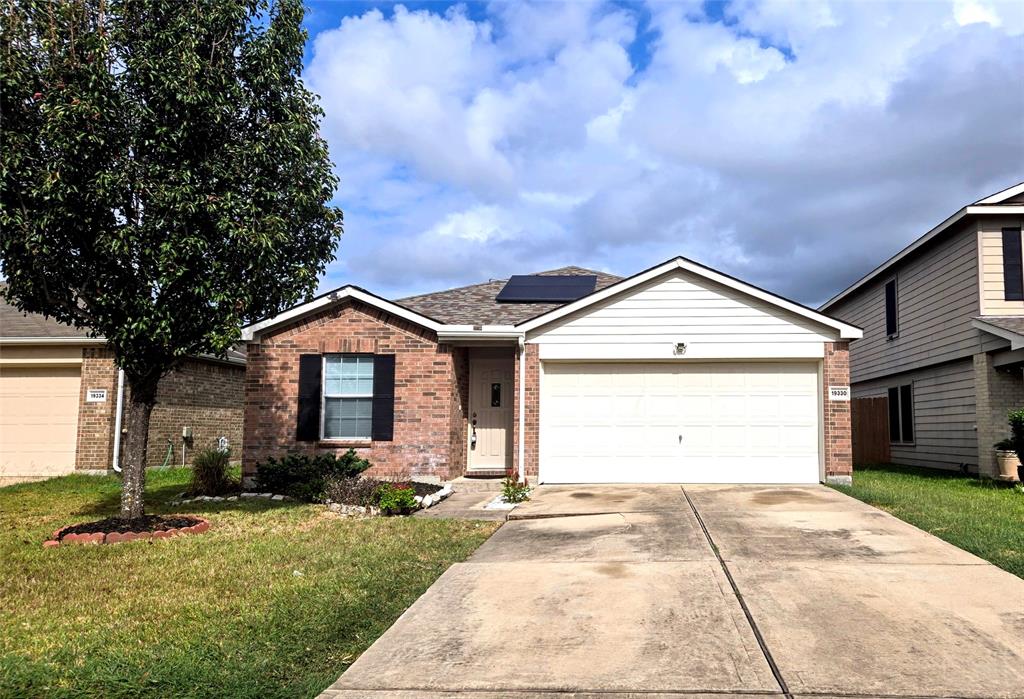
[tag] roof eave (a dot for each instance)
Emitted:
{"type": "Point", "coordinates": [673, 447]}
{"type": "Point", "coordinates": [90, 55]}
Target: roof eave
{"type": "Point", "coordinates": [1016, 339]}
{"type": "Point", "coordinates": [978, 209]}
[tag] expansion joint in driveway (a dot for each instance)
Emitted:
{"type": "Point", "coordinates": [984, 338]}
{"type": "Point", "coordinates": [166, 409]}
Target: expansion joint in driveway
{"type": "Point", "coordinates": [739, 597]}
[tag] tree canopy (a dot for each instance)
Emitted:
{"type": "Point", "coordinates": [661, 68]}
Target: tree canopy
{"type": "Point", "coordinates": [162, 176]}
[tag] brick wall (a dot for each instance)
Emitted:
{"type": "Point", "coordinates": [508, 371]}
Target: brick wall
{"type": "Point", "coordinates": [95, 448]}
{"type": "Point", "coordinates": [532, 416]}
{"type": "Point", "coordinates": [836, 419]}
{"type": "Point", "coordinates": [429, 388]}
{"type": "Point", "coordinates": [206, 396]}
{"type": "Point", "coordinates": [997, 392]}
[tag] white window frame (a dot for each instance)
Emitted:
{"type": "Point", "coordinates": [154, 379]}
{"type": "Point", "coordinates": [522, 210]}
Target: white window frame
{"type": "Point", "coordinates": [324, 397]}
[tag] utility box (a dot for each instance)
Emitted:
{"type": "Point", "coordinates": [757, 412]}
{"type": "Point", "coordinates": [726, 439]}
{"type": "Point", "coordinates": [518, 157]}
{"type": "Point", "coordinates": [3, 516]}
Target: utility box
{"type": "Point", "coordinates": [186, 433]}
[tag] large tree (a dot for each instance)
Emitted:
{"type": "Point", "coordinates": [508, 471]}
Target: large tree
{"type": "Point", "coordinates": [163, 178]}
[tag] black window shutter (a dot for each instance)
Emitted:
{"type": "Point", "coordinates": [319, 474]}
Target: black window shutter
{"type": "Point", "coordinates": [383, 426]}
{"type": "Point", "coordinates": [890, 307]}
{"type": "Point", "coordinates": [894, 414]}
{"type": "Point", "coordinates": [1013, 269]}
{"type": "Point", "coordinates": [907, 413]}
{"type": "Point", "coordinates": [308, 427]}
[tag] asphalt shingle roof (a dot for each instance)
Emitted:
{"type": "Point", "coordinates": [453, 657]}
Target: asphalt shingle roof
{"type": "Point", "coordinates": [1014, 324]}
{"type": "Point", "coordinates": [475, 304]}
{"type": "Point", "coordinates": [14, 323]}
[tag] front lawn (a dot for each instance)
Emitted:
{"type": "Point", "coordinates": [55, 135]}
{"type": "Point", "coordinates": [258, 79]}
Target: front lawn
{"type": "Point", "coordinates": [982, 517]}
{"type": "Point", "coordinates": [276, 600]}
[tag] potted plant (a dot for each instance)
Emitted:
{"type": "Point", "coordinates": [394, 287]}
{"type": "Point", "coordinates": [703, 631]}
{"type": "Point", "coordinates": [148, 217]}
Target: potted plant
{"type": "Point", "coordinates": [1012, 466]}
{"type": "Point", "coordinates": [1006, 457]}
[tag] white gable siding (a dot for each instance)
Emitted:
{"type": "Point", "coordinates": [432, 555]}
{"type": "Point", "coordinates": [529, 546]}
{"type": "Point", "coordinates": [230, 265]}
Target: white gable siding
{"type": "Point", "coordinates": [714, 321]}
{"type": "Point", "coordinates": [993, 293]}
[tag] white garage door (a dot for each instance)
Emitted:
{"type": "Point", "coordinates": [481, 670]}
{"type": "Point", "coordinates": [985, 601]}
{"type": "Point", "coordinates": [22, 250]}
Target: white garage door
{"type": "Point", "coordinates": [679, 423]}
{"type": "Point", "coordinates": [38, 420]}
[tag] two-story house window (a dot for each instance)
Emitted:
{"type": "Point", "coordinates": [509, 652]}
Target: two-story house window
{"type": "Point", "coordinates": [1013, 269]}
{"type": "Point", "coordinates": [891, 309]}
{"type": "Point", "coordinates": [901, 414]}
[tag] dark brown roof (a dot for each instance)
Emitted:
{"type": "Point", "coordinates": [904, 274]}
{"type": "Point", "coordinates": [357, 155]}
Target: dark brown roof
{"type": "Point", "coordinates": [14, 323]}
{"type": "Point", "coordinates": [475, 304]}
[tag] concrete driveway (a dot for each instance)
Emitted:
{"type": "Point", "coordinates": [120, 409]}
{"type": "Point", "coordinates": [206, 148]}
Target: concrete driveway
{"type": "Point", "coordinates": [704, 592]}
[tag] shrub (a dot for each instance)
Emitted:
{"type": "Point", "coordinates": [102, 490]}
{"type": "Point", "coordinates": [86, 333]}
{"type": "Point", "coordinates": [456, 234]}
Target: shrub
{"type": "Point", "coordinates": [1016, 418]}
{"type": "Point", "coordinates": [1004, 444]}
{"type": "Point", "coordinates": [304, 476]}
{"type": "Point", "coordinates": [352, 491]}
{"type": "Point", "coordinates": [210, 473]}
{"type": "Point", "coordinates": [396, 498]}
{"type": "Point", "coordinates": [514, 491]}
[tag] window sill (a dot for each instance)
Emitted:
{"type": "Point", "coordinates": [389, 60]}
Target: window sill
{"type": "Point", "coordinates": [344, 442]}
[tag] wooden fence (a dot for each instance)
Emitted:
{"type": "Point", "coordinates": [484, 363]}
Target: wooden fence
{"type": "Point", "coordinates": [870, 418]}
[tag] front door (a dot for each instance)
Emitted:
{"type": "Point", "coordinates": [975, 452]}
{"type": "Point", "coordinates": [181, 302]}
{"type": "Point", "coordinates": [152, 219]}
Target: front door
{"type": "Point", "coordinates": [490, 414]}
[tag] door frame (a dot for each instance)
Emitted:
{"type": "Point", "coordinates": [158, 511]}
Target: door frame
{"type": "Point", "coordinates": [475, 357]}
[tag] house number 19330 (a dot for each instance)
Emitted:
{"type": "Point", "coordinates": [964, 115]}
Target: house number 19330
{"type": "Point", "coordinates": [839, 393]}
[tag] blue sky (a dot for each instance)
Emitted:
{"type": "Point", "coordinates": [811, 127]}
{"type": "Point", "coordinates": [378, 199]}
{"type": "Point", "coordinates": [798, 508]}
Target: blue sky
{"type": "Point", "coordinates": [793, 144]}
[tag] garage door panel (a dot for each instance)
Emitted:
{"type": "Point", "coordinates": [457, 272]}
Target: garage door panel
{"type": "Point", "coordinates": [687, 423]}
{"type": "Point", "coordinates": [38, 420]}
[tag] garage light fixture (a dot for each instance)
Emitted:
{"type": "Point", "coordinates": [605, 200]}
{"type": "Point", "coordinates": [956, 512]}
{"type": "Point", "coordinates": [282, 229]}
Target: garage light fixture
{"type": "Point", "coordinates": [679, 349]}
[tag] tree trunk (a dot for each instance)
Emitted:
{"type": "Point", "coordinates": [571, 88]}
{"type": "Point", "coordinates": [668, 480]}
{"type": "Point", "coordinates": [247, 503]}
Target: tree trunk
{"type": "Point", "coordinates": [139, 407]}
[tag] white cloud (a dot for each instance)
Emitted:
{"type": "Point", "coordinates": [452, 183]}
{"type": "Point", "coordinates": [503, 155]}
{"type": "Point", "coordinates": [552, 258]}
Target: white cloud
{"type": "Point", "coordinates": [794, 144]}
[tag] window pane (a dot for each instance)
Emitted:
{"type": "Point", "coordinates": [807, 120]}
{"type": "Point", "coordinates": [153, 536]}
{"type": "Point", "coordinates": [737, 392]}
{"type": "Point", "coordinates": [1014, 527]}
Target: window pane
{"type": "Point", "coordinates": [890, 308]}
{"type": "Point", "coordinates": [894, 414]}
{"type": "Point", "coordinates": [347, 418]}
{"type": "Point", "coordinates": [907, 413]}
{"type": "Point", "coordinates": [348, 375]}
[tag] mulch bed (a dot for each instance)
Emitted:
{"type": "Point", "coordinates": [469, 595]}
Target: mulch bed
{"type": "Point", "coordinates": [424, 488]}
{"type": "Point", "coordinates": [114, 530]}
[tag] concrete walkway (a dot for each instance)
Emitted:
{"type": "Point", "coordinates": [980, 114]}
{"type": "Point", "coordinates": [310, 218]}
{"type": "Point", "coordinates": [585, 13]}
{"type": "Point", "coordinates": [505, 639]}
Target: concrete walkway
{"type": "Point", "coordinates": [707, 591]}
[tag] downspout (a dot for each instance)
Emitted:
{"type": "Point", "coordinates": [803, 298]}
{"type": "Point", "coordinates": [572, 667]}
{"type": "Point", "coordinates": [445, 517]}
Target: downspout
{"type": "Point", "coordinates": [118, 413]}
{"type": "Point", "coordinates": [522, 408]}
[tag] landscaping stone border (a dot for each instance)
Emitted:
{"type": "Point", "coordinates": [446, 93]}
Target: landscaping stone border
{"type": "Point", "coordinates": [117, 537]}
{"type": "Point", "coordinates": [430, 500]}
{"type": "Point", "coordinates": [182, 500]}
{"type": "Point", "coordinates": [424, 501]}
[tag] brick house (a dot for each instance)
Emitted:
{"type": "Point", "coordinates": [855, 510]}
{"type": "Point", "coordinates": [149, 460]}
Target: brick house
{"type": "Point", "coordinates": [676, 374]}
{"type": "Point", "coordinates": [59, 397]}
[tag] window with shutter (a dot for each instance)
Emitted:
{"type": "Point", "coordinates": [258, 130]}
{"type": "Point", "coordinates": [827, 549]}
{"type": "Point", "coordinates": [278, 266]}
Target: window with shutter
{"type": "Point", "coordinates": [1013, 267]}
{"type": "Point", "coordinates": [348, 396]}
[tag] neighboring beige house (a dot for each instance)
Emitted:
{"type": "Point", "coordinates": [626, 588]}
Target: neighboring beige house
{"type": "Point", "coordinates": [943, 337]}
{"type": "Point", "coordinates": [59, 402]}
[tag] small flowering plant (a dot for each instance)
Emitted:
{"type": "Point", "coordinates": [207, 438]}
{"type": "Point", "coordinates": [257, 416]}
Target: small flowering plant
{"type": "Point", "coordinates": [514, 491]}
{"type": "Point", "coordinates": [396, 498]}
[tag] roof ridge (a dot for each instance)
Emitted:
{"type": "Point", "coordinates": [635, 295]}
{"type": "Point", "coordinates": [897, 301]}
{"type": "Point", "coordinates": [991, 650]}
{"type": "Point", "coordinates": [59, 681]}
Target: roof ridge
{"type": "Point", "coordinates": [493, 281]}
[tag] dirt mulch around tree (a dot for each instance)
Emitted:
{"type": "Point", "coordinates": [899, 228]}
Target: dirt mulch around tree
{"type": "Point", "coordinates": [113, 530]}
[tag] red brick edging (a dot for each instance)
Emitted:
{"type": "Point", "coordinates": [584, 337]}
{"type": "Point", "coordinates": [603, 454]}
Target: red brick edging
{"type": "Point", "coordinates": [117, 537]}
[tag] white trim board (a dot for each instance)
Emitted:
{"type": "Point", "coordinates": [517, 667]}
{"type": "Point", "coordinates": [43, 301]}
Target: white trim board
{"type": "Point", "coordinates": [1016, 339]}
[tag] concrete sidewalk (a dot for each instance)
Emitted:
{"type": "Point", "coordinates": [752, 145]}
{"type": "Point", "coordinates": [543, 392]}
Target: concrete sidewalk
{"type": "Point", "coordinates": [616, 591]}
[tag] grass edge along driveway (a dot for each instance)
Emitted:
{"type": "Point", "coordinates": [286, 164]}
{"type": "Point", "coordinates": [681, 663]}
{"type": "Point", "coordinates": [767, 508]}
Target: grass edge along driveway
{"type": "Point", "coordinates": [983, 517]}
{"type": "Point", "coordinates": [276, 600]}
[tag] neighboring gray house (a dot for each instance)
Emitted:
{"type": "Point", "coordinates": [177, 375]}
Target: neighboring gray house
{"type": "Point", "coordinates": [943, 337]}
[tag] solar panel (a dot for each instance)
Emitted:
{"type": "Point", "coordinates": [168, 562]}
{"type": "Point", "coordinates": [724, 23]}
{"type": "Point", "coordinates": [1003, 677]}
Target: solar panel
{"type": "Point", "coordinates": [544, 288]}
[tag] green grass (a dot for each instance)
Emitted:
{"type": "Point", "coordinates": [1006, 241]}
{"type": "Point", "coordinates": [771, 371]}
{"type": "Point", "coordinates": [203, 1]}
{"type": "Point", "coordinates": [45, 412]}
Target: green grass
{"type": "Point", "coordinates": [276, 600]}
{"type": "Point", "coordinates": [983, 517]}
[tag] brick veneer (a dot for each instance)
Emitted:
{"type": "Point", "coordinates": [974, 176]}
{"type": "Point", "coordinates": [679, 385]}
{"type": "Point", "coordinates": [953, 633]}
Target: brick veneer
{"type": "Point", "coordinates": [836, 419]}
{"type": "Point", "coordinates": [532, 416]}
{"type": "Point", "coordinates": [431, 392]}
{"type": "Point", "coordinates": [997, 392]}
{"type": "Point", "coordinates": [204, 395]}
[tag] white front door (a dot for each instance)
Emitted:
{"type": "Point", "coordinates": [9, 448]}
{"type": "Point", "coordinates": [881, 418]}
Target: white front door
{"type": "Point", "coordinates": [490, 414]}
{"type": "Point", "coordinates": [728, 422]}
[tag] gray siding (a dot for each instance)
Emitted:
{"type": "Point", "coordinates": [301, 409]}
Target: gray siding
{"type": "Point", "coordinates": [944, 415]}
{"type": "Point", "coordinates": [937, 295]}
